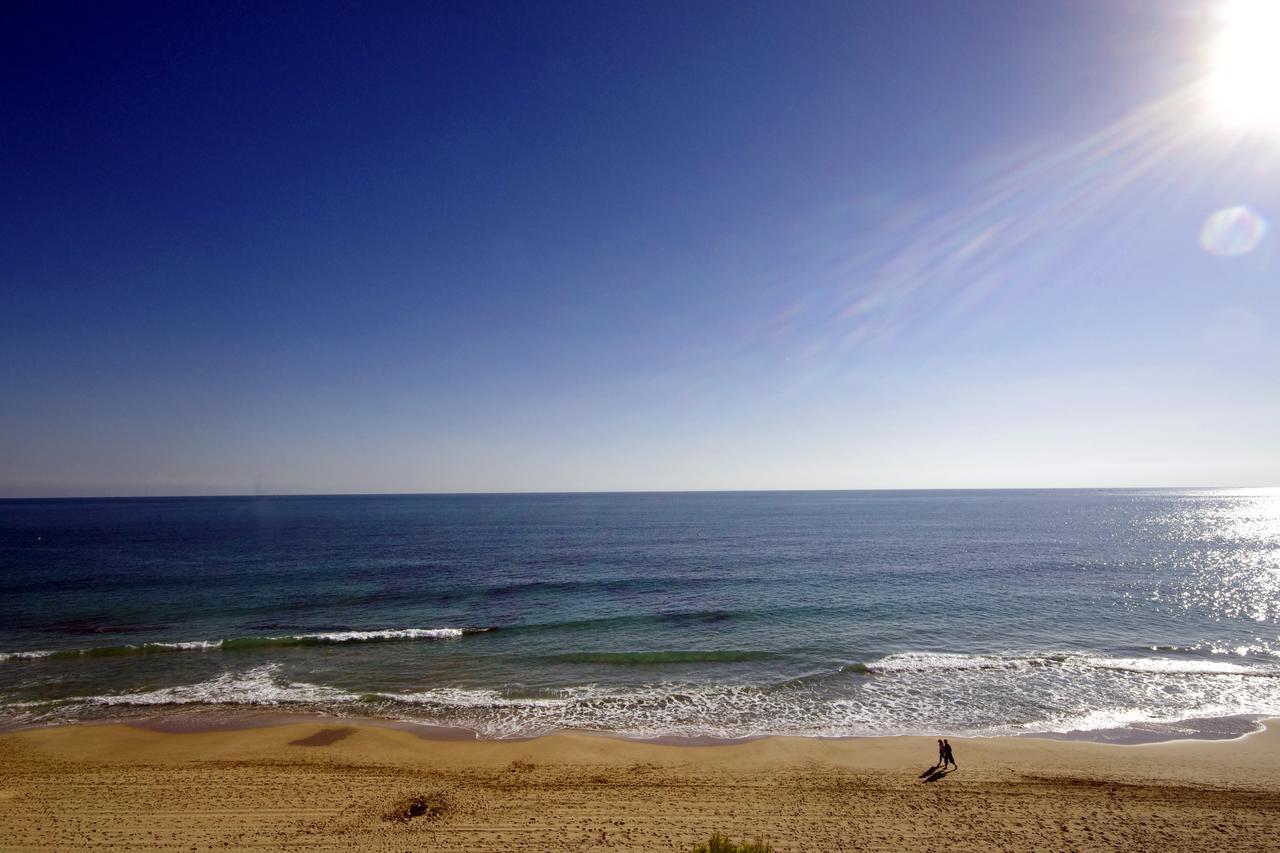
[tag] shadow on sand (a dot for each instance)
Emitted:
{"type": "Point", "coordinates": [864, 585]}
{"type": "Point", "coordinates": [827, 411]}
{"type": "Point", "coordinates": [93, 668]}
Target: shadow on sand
{"type": "Point", "coordinates": [324, 737]}
{"type": "Point", "coordinates": [936, 772]}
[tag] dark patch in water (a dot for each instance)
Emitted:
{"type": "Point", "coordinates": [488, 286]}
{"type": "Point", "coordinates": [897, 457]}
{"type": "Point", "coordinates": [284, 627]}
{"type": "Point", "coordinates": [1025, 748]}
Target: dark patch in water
{"type": "Point", "coordinates": [93, 626]}
{"type": "Point", "coordinates": [665, 657]}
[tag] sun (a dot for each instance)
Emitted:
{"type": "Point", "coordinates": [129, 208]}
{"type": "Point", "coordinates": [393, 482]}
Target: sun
{"type": "Point", "coordinates": [1244, 76]}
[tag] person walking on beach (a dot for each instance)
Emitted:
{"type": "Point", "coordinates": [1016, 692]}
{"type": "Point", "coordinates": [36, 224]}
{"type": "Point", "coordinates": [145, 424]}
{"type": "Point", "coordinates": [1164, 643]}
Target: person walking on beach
{"type": "Point", "coordinates": [947, 757]}
{"type": "Point", "coordinates": [942, 754]}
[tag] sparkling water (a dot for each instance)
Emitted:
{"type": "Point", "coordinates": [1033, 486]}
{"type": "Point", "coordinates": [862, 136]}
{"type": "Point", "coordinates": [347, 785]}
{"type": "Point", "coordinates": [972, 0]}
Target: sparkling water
{"type": "Point", "coordinates": [690, 614]}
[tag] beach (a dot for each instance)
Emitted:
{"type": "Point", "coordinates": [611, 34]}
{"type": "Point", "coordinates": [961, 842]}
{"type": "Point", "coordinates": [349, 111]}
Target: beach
{"type": "Point", "coordinates": [638, 672]}
{"type": "Point", "coordinates": [624, 426]}
{"type": "Point", "coordinates": [343, 785]}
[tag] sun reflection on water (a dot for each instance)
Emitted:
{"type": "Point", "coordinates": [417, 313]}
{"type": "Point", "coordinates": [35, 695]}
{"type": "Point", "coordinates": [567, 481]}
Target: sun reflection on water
{"type": "Point", "coordinates": [1221, 557]}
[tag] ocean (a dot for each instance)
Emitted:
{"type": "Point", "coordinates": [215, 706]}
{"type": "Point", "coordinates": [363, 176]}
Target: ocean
{"type": "Point", "coordinates": [1109, 614]}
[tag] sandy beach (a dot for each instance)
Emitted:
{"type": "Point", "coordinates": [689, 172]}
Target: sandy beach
{"type": "Point", "coordinates": [335, 785]}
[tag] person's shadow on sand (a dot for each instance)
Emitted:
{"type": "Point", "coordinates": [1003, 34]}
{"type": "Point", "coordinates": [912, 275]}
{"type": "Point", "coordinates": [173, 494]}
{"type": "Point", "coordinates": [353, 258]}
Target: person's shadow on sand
{"type": "Point", "coordinates": [936, 772]}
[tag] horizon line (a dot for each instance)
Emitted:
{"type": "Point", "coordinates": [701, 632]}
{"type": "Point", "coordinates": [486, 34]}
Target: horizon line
{"type": "Point", "coordinates": [549, 493]}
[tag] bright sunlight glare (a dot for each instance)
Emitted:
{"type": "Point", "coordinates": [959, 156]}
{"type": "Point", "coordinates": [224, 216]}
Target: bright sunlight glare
{"type": "Point", "coordinates": [1245, 72]}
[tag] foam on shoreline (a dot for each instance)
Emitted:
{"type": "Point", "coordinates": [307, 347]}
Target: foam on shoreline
{"type": "Point", "coordinates": [236, 718]}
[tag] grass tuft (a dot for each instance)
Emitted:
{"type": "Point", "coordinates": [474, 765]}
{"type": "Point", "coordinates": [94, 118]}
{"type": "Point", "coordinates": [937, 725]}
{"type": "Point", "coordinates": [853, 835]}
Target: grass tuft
{"type": "Point", "coordinates": [721, 844]}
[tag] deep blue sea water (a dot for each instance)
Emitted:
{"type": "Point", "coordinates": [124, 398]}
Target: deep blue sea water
{"type": "Point", "coordinates": [698, 614]}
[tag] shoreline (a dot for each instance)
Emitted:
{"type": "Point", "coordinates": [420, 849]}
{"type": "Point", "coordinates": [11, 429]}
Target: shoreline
{"type": "Point", "coordinates": [1195, 729]}
{"type": "Point", "coordinates": [331, 783]}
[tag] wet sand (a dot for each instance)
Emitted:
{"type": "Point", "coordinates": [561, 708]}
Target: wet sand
{"type": "Point", "coordinates": [338, 785]}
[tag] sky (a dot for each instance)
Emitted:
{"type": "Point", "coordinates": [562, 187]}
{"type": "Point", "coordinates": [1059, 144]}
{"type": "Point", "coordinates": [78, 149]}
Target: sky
{"type": "Point", "coordinates": [348, 248]}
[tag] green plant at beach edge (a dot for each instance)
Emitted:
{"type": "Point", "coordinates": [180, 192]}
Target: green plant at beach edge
{"type": "Point", "coordinates": [721, 844]}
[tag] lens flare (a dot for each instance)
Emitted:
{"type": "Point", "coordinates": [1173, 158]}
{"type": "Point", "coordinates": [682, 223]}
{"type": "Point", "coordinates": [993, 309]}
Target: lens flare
{"type": "Point", "coordinates": [1233, 231]}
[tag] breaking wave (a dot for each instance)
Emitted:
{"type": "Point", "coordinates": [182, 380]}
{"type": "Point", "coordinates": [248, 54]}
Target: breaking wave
{"type": "Point", "coordinates": [898, 694]}
{"type": "Point", "coordinates": [40, 653]}
{"type": "Point", "coordinates": [233, 643]}
{"type": "Point", "coordinates": [936, 662]}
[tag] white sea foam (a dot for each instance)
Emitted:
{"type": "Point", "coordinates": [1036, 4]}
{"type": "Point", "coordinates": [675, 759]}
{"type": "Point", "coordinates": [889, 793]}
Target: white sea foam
{"type": "Point", "coordinates": [385, 634]}
{"type": "Point", "coordinates": [382, 634]}
{"type": "Point", "coordinates": [925, 662]}
{"type": "Point", "coordinates": [1165, 666]}
{"type": "Point", "coordinates": [656, 710]}
{"type": "Point", "coordinates": [905, 662]}
{"type": "Point", "coordinates": [41, 653]}
{"type": "Point", "coordinates": [909, 693]}
{"type": "Point", "coordinates": [256, 686]}
{"type": "Point", "coordinates": [188, 645]}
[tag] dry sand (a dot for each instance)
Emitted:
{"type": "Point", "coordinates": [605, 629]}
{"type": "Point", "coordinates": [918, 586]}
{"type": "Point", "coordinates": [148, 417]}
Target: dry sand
{"type": "Point", "coordinates": [331, 785]}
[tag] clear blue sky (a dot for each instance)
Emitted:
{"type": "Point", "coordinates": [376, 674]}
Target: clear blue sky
{"type": "Point", "coordinates": [327, 247]}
